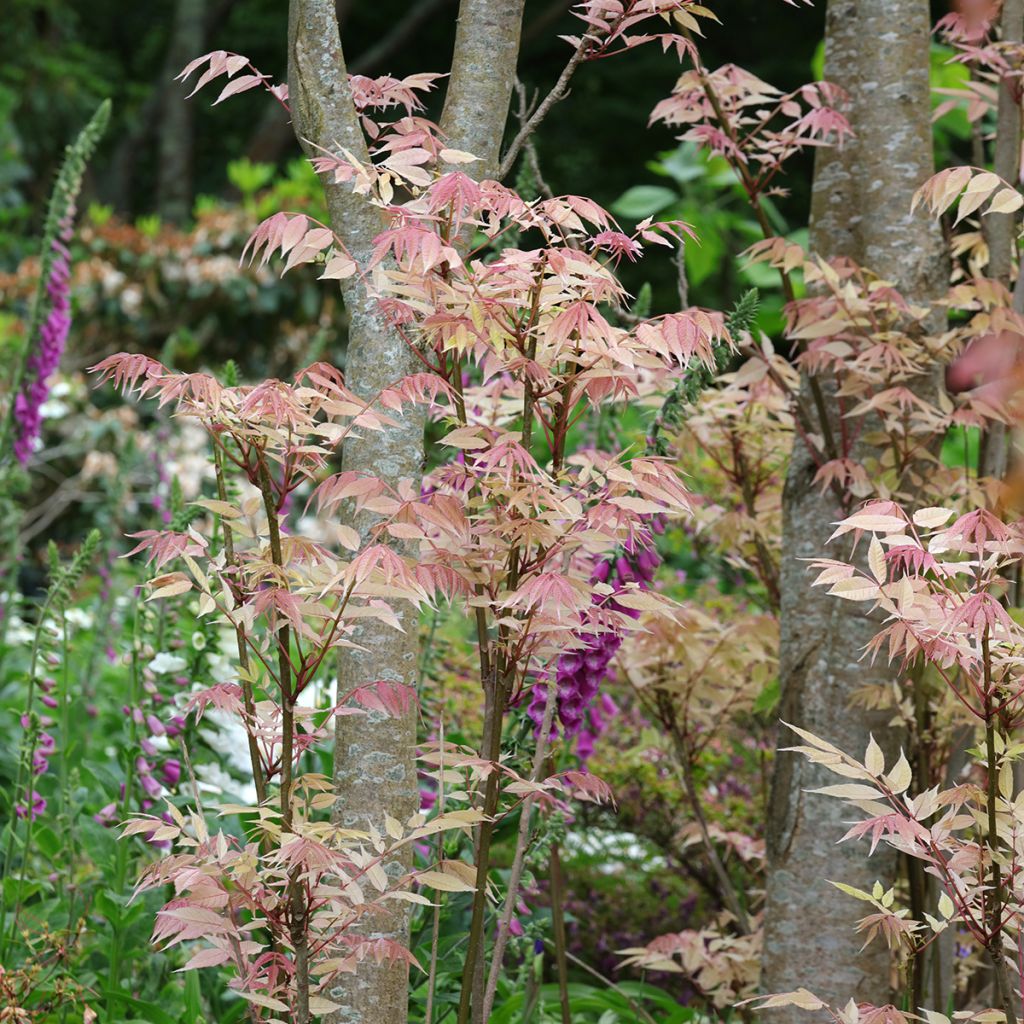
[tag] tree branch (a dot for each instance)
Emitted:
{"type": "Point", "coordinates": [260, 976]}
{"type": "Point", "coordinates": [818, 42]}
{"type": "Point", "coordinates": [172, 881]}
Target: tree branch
{"type": "Point", "coordinates": [324, 115]}
{"type": "Point", "coordinates": [483, 75]}
{"type": "Point", "coordinates": [558, 92]}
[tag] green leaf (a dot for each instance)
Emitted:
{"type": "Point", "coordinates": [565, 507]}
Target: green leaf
{"type": "Point", "coordinates": [193, 1001]}
{"type": "Point", "coordinates": [643, 201]}
{"type": "Point", "coordinates": [768, 698]}
{"type": "Point", "coordinates": [46, 841]}
{"type": "Point", "coordinates": [151, 1011]}
{"type": "Point", "coordinates": [115, 908]}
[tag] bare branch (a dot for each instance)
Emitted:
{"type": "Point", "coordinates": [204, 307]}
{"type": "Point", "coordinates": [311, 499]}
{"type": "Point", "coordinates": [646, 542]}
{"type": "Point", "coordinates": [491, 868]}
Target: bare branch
{"type": "Point", "coordinates": [559, 92]}
{"type": "Point", "coordinates": [401, 33]}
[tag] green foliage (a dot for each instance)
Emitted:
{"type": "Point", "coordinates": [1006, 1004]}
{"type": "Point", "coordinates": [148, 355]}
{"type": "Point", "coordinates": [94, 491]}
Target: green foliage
{"type": "Point", "coordinates": [688, 387]}
{"type": "Point", "coordinates": [249, 177]}
{"type": "Point", "coordinates": [60, 210]}
{"type": "Point", "coordinates": [961, 447]}
{"type": "Point", "coordinates": [64, 579]}
{"type": "Point", "coordinates": [704, 192]}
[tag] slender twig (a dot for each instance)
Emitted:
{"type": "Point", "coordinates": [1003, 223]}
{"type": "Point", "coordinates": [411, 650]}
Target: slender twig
{"type": "Point", "coordinates": [296, 898]}
{"type": "Point", "coordinates": [995, 920]}
{"type": "Point", "coordinates": [750, 187]}
{"type": "Point", "coordinates": [558, 92]}
{"type": "Point", "coordinates": [243, 652]}
{"type": "Point", "coordinates": [728, 891]}
{"type": "Point", "coordinates": [493, 715]}
{"type": "Point", "coordinates": [519, 858]}
{"type": "Point", "coordinates": [594, 973]}
{"type": "Point", "coordinates": [428, 1014]}
{"type": "Point", "coordinates": [558, 926]}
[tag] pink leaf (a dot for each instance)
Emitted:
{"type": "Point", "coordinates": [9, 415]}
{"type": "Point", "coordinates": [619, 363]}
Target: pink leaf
{"type": "Point", "coordinates": [237, 86]}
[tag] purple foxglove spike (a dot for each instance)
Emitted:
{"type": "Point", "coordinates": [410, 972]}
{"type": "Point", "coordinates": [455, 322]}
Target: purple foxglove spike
{"type": "Point", "coordinates": [150, 785]}
{"type": "Point", "coordinates": [44, 359]}
{"type": "Point", "coordinates": [170, 772]}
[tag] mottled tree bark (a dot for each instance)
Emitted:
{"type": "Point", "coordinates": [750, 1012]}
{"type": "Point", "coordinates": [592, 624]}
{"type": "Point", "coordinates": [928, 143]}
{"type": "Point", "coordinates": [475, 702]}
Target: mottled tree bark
{"type": "Point", "coordinates": [375, 769]}
{"type": "Point", "coordinates": [273, 135]}
{"type": "Point", "coordinates": [483, 75]}
{"type": "Point", "coordinates": [1001, 228]}
{"type": "Point", "coordinates": [878, 50]}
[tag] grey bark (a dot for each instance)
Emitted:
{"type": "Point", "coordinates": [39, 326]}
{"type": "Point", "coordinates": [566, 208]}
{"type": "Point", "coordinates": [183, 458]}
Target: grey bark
{"type": "Point", "coordinates": [878, 50]}
{"type": "Point", "coordinates": [483, 77]}
{"type": "Point", "coordinates": [273, 134]}
{"type": "Point", "coordinates": [1001, 228]}
{"type": "Point", "coordinates": [375, 768]}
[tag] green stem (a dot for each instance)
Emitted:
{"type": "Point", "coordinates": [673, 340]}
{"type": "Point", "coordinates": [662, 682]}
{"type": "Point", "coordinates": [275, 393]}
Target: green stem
{"type": "Point", "coordinates": [435, 940]}
{"type": "Point", "coordinates": [26, 756]}
{"type": "Point", "coordinates": [995, 922]}
{"type": "Point", "coordinates": [121, 849]}
{"type": "Point", "coordinates": [558, 923]}
{"type": "Point", "coordinates": [258, 778]}
{"type": "Point", "coordinates": [296, 897]}
{"type": "Point", "coordinates": [65, 724]}
{"type": "Point", "coordinates": [493, 713]}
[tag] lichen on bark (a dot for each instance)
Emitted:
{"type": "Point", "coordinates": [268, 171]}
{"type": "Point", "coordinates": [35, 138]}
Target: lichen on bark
{"type": "Point", "coordinates": [878, 50]}
{"type": "Point", "coordinates": [374, 767]}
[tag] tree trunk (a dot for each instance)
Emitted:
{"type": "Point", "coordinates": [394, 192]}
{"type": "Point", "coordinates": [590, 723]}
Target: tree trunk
{"type": "Point", "coordinates": [878, 50]}
{"type": "Point", "coordinates": [375, 768]}
{"type": "Point", "coordinates": [1001, 228]}
{"type": "Point", "coordinates": [177, 115]}
{"type": "Point", "coordinates": [483, 75]}
{"type": "Point", "coordinates": [273, 135]}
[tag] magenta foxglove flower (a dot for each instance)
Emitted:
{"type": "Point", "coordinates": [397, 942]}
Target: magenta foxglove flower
{"type": "Point", "coordinates": [579, 673]}
{"type": "Point", "coordinates": [45, 356]}
{"type": "Point", "coordinates": [38, 807]}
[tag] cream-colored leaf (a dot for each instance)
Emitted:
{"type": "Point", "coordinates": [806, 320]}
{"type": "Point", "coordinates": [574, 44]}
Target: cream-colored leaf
{"type": "Point", "coordinates": [457, 156]}
{"type": "Point", "coordinates": [318, 1006]}
{"type": "Point", "coordinates": [876, 559]}
{"type": "Point", "coordinates": [848, 791]}
{"type": "Point", "coordinates": [946, 908]}
{"type": "Point", "coordinates": [856, 588]}
{"type": "Point", "coordinates": [408, 897]}
{"type": "Point", "coordinates": [873, 522]}
{"type": "Point", "coordinates": [900, 776]}
{"type": "Point", "coordinates": [221, 508]}
{"type": "Point", "coordinates": [348, 538]}
{"type": "Point", "coordinates": [1006, 200]}
{"type": "Point", "coordinates": [444, 882]}
{"type": "Point", "coordinates": [261, 1000]}
{"type": "Point", "coordinates": [171, 589]}
{"type": "Point", "coordinates": [874, 759]}
{"type": "Point", "coordinates": [929, 518]}
{"type": "Point", "coordinates": [1006, 780]}
{"type": "Point", "coordinates": [801, 997]}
